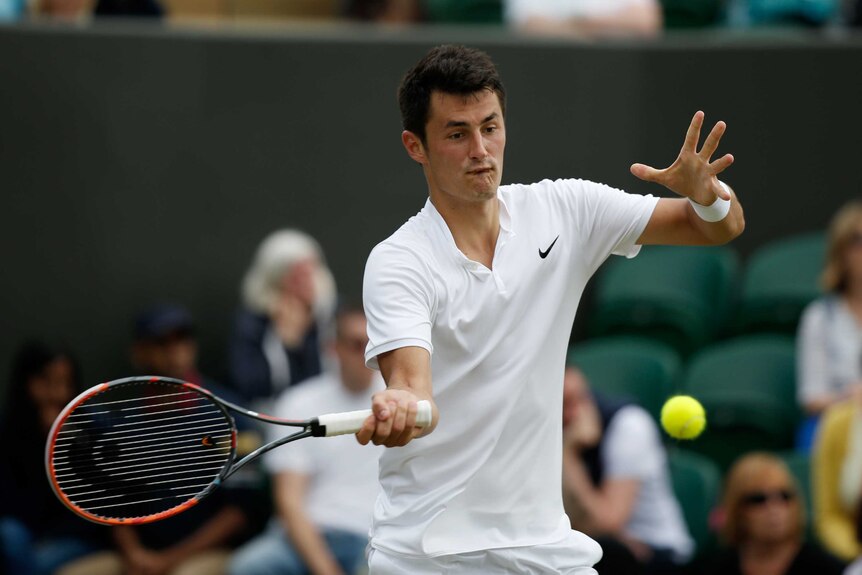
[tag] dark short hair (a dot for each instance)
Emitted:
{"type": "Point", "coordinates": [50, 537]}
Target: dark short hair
{"type": "Point", "coordinates": [450, 69]}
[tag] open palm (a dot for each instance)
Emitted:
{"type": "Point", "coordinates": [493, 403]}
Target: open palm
{"type": "Point", "coordinates": [693, 175]}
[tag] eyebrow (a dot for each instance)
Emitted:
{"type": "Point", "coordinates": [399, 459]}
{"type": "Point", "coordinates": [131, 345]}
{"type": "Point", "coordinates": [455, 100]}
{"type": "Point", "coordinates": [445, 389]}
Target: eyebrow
{"type": "Point", "coordinates": [457, 124]}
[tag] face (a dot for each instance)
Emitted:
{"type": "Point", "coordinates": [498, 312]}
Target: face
{"type": "Point", "coordinates": [174, 355]}
{"type": "Point", "coordinates": [462, 156]}
{"type": "Point", "coordinates": [350, 344]}
{"type": "Point", "coordinates": [769, 509]}
{"type": "Point", "coordinates": [299, 281]}
{"type": "Point", "coordinates": [576, 395]}
{"type": "Point", "coordinates": [853, 258]}
{"type": "Point", "coordinates": [52, 389]}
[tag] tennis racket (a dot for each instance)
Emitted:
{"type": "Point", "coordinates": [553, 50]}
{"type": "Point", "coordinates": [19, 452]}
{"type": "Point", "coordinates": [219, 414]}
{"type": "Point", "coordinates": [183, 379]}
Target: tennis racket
{"type": "Point", "coordinates": [140, 449]}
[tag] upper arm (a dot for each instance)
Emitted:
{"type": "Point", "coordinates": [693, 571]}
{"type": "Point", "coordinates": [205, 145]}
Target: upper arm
{"type": "Point", "coordinates": [619, 496]}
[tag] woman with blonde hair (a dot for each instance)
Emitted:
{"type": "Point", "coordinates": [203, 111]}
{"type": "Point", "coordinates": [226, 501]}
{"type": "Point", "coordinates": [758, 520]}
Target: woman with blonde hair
{"type": "Point", "coordinates": [829, 342]}
{"type": "Point", "coordinates": [764, 524]}
{"type": "Point", "coordinates": [288, 301]}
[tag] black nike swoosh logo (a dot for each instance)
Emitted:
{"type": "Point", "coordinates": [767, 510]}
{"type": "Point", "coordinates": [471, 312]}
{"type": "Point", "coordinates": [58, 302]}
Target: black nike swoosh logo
{"type": "Point", "coordinates": [544, 254]}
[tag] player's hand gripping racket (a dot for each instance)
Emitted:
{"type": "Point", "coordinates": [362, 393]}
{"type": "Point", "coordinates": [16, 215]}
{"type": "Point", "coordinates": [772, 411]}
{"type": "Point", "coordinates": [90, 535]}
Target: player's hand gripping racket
{"type": "Point", "coordinates": [140, 449]}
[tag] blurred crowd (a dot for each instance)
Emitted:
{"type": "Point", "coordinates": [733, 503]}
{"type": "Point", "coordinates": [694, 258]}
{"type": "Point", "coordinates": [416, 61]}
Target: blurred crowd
{"type": "Point", "coordinates": [296, 350]}
{"type": "Point", "coordinates": [566, 18]}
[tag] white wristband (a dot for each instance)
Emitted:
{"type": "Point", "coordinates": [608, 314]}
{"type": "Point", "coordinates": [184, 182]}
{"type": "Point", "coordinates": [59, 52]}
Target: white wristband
{"type": "Point", "coordinates": [715, 212]}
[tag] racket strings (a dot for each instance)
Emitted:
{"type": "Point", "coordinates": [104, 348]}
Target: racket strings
{"type": "Point", "coordinates": [141, 448]}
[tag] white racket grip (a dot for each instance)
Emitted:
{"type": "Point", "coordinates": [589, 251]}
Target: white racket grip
{"type": "Point", "coordinates": [351, 421]}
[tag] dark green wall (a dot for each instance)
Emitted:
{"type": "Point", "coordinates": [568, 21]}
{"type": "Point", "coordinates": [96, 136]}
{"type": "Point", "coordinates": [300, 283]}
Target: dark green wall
{"type": "Point", "coordinates": [142, 164]}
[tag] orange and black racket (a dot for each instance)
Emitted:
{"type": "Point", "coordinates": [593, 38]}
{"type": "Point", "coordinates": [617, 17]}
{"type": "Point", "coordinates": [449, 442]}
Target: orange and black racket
{"type": "Point", "coordinates": [141, 449]}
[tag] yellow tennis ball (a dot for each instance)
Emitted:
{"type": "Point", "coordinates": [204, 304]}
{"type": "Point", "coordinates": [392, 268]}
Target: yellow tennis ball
{"type": "Point", "coordinates": [683, 417]}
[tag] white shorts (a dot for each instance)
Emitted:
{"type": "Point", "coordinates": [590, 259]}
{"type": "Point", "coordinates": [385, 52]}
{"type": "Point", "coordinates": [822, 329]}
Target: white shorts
{"type": "Point", "coordinates": [574, 555]}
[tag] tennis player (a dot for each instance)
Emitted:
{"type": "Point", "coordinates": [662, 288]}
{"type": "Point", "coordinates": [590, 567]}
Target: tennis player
{"type": "Point", "coordinates": [470, 305]}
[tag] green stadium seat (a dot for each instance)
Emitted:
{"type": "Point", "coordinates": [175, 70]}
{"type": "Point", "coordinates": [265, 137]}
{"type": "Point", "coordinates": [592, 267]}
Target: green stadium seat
{"type": "Point", "coordinates": [697, 484]}
{"type": "Point", "coordinates": [464, 11]}
{"type": "Point", "coordinates": [643, 370]}
{"type": "Point", "coordinates": [748, 387]}
{"type": "Point", "coordinates": [779, 280]}
{"type": "Point", "coordinates": [679, 295]}
{"type": "Point", "coordinates": [691, 13]}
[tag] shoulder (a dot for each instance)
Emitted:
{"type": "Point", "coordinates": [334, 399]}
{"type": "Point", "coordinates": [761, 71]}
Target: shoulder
{"type": "Point", "coordinates": [632, 421]}
{"type": "Point", "coordinates": [819, 310]}
{"type": "Point", "coordinates": [811, 556]}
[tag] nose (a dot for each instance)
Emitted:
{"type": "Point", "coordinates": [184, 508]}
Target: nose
{"type": "Point", "coordinates": [478, 151]}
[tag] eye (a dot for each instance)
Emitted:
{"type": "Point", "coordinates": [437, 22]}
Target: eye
{"type": "Point", "coordinates": [456, 136]}
{"type": "Point", "coordinates": [490, 129]}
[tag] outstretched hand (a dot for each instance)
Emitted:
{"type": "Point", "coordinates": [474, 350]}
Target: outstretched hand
{"type": "Point", "coordinates": [693, 175]}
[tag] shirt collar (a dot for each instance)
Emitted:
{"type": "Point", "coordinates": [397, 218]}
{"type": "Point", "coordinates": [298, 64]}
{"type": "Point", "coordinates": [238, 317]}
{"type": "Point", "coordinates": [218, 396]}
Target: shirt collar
{"type": "Point", "coordinates": [506, 229]}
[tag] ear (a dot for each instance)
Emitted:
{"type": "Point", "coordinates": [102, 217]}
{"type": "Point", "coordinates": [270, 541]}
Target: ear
{"type": "Point", "coordinates": [413, 145]}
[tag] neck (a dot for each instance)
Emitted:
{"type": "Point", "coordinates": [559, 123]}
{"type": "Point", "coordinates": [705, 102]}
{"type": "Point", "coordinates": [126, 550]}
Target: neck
{"type": "Point", "coordinates": [475, 226]}
{"type": "Point", "coordinates": [853, 293]}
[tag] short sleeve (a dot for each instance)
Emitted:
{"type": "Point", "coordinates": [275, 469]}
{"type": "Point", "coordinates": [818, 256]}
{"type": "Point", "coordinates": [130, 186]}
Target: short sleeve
{"type": "Point", "coordinates": [607, 220]}
{"type": "Point", "coordinates": [398, 297]}
{"type": "Point", "coordinates": [632, 447]}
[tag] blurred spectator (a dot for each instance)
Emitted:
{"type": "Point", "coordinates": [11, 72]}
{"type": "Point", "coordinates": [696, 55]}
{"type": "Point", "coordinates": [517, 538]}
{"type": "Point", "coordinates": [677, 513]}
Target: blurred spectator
{"type": "Point", "coordinates": [38, 534]}
{"type": "Point", "coordinates": [829, 341]}
{"type": "Point", "coordinates": [837, 477]}
{"type": "Point", "coordinates": [288, 296]}
{"type": "Point", "coordinates": [324, 490]}
{"type": "Point", "coordinates": [855, 568]}
{"type": "Point", "coordinates": [588, 18]}
{"type": "Point", "coordinates": [764, 525]}
{"type": "Point", "coordinates": [63, 9]}
{"type": "Point", "coordinates": [12, 10]}
{"type": "Point", "coordinates": [197, 541]}
{"type": "Point", "coordinates": [384, 10]}
{"type": "Point", "coordinates": [128, 8]}
{"type": "Point", "coordinates": [809, 13]}
{"type": "Point", "coordinates": [616, 480]}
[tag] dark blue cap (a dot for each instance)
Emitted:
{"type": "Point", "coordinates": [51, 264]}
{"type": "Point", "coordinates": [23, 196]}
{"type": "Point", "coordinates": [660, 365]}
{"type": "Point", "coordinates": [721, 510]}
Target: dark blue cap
{"type": "Point", "coordinates": [163, 320]}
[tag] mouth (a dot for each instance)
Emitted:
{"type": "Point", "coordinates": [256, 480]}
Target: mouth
{"type": "Point", "coordinates": [480, 171]}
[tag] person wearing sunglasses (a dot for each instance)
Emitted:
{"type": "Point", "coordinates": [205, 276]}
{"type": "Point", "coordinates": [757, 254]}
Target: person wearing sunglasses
{"type": "Point", "coordinates": [829, 340]}
{"type": "Point", "coordinates": [764, 525]}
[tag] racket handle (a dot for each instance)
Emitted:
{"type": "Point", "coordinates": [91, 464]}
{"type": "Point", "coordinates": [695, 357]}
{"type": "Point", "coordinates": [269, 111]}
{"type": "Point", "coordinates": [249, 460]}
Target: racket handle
{"type": "Point", "coordinates": [351, 421]}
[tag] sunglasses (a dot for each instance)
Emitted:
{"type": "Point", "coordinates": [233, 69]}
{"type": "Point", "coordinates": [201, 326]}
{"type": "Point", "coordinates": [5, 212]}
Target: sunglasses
{"type": "Point", "coordinates": [758, 498]}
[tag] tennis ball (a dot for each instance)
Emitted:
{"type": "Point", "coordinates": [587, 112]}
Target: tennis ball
{"type": "Point", "coordinates": [683, 417]}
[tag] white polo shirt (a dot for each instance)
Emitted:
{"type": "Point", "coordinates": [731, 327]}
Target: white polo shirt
{"type": "Point", "coordinates": [489, 476]}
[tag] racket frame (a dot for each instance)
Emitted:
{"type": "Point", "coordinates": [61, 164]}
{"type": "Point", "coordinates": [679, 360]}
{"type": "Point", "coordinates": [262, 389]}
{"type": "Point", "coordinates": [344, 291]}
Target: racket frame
{"type": "Point", "coordinates": [311, 428]}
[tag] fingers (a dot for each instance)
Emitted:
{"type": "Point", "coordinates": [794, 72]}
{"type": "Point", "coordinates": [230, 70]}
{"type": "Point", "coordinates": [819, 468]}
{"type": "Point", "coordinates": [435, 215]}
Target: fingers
{"type": "Point", "coordinates": [721, 164]}
{"type": "Point", "coordinates": [693, 134]}
{"type": "Point", "coordinates": [646, 173]}
{"type": "Point", "coordinates": [392, 422]}
{"type": "Point", "coordinates": [711, 143]}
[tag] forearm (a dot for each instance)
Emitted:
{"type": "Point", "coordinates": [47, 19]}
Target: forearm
{"type": "Point", "coordinates": [408, 370]}
{"type": "Point", "coordinates": [601, 514]}
{"type": "Point", "coordinates": [722, 231]}
{"type": "Point", "coordinates": [309, 543]}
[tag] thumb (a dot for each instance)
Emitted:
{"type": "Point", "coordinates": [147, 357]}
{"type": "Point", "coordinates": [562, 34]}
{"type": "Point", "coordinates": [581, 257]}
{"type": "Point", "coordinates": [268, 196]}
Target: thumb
{"type": "Point", "coordinates": [645, 173]}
